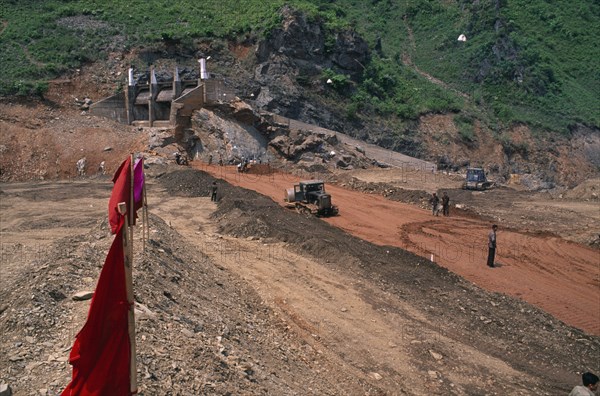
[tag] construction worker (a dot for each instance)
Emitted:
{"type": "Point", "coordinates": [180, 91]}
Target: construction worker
{"type": "Point", "coordinates": [435, 201]}
{"type": "Point", "coordinates": [445, 204]}
{"type": "Point", "coordinates": [213, 192]}
{"type": "Point", "coordinates": [492, 246]}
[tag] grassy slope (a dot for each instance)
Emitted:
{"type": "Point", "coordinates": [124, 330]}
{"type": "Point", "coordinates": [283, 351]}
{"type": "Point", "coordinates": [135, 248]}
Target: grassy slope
{"type": "Point", "coordinates": [541, 59]}
{"type": "Point", "coordinates": [543, 55]}
{"type": "Point", "coordinates": [41, 39]}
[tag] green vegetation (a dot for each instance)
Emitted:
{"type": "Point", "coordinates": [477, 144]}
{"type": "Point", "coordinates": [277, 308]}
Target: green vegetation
{"type": "Point", "coordinates": [527, 61]}
{"type": "Point", "coordinates": [41, 40]}
{"type": "Point", "coordinates": [339, 82]}
{"type": "Point", "coordinates": [524, 61]}
{"type": "Point", "coordinates": [466, 129]}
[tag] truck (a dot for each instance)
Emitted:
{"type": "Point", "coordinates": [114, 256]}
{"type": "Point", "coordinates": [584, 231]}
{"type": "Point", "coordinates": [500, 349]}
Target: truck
{"type": "Point", "coordinates": [309, 197]}
{"type": "Point", "coordinates": [476, 180]}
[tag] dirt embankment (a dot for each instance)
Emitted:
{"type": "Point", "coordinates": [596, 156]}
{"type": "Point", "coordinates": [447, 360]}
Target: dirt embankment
{"type": "Point", "coordinates": [540, 269]}
{"type": "Point", "coordinates": [249, 298]}
{"type": "Point", "coordinates": [496, 325]}
{"type": "Point", "coordinates": [200, 328]}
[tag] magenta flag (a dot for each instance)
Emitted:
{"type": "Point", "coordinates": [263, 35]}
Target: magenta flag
{"type": "Point", "coordinates": [138, 183]}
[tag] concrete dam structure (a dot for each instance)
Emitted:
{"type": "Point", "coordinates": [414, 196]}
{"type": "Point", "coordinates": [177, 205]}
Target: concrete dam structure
{"type": "Point", "coordinates": [162, 104]}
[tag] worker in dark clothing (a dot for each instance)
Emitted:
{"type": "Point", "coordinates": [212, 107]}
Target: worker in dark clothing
{"type": "Point", "coordinates": [213, 192]}
{"type": "Point", "coordinates": [435, 202]}
{"type": "Point", "coordinates": [445, 204]}
{"type": "Point", "coordinates": [492, 246]}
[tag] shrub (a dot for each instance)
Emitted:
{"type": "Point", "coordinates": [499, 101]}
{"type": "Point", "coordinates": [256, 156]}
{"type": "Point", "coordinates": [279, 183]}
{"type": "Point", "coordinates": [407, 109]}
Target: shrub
{"type": "Point", "coordinates": [339, 82]}
{"type": "Point", "coordinates": [466, 129]}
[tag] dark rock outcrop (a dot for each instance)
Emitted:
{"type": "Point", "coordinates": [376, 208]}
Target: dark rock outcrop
{"type": "Point", "coordinates": [296, 54]}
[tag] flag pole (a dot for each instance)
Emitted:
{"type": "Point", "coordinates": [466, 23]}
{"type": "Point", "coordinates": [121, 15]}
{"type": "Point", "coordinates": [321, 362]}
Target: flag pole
{"type": "Point", "coordinates": [146, 225]}
{"type": "Point", "coordinates": [129, 283]}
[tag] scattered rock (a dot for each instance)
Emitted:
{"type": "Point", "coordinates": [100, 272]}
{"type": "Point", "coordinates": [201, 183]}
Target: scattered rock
{"type": "Point", "coordinates": [5, 390]}
{"type": "Point", "coordinates": [82, 295]}
{"type": "Point", "coordinates": [57, 295]}
{"type": "Point", "coordinates": [436, 355]}
{"type": "Point", "coordinates": [143, 312]}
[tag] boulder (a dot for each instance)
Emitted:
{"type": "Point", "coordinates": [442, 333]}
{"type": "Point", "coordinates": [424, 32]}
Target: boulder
{"type": "Point", "coordinates": [82, 295]}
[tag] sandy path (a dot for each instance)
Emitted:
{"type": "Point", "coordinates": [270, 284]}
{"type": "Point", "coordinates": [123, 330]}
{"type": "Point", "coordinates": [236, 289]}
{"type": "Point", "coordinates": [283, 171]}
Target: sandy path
{"type": "Point", "coordinates": [556, 275]}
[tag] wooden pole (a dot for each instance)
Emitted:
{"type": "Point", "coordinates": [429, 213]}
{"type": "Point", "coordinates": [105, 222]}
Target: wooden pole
{"type": "Point", "coordinates": [129, 283]}
{"type": "Point", "coordinates": [146, 228]}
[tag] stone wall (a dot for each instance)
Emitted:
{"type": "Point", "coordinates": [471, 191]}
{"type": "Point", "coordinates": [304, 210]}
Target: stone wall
{"type": "Point", "coordinates": [112, 107]}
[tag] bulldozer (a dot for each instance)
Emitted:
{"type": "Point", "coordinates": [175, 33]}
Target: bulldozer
{"type": "Point", "coordinates": [476, 180]}
{"type": "Point", "coordinates": [309, 197]}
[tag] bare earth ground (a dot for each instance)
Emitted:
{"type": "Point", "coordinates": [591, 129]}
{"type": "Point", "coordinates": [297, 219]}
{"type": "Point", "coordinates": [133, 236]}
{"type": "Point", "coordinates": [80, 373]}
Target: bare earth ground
{"type": "Point", "coordinates": [251, 299]}
{"type": "Point", "coordinates": [559, 276]}
{"type": "Point", "coordinates": [245, 297]}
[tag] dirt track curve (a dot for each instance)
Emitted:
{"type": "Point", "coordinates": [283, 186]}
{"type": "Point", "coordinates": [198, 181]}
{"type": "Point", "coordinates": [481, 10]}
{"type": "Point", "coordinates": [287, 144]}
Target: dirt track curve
{"type": "Point", "coordinates": [558, 276]}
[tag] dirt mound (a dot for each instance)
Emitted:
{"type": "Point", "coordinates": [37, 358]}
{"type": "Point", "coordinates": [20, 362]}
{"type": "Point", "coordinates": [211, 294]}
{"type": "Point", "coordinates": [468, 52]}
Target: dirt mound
{"type": "Point", "coordinates": [497, 324]}
{"type": "Point", "coordinates": [388, 190]}
{"type": "Point", "coordinates": [200, 330]}
{"type": "Point", "coordinates": [588, 190]}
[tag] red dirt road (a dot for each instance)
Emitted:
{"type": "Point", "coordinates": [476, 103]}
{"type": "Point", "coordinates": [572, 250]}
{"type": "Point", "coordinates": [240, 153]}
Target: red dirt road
{"type": "Point", "coordinates": [561, 277]}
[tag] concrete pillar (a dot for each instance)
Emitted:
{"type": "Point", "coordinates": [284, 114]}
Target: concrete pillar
{"type": "Point", "coordinates": [176, 84]}
{"type": "Point", "coordinates": [130, 93]}
{"type": "Point", "coordinates": [152, 100]}
{"type": "Point", "coordinates": [177, 89]}
{"type": "Point", "coordinates": [203, 72]}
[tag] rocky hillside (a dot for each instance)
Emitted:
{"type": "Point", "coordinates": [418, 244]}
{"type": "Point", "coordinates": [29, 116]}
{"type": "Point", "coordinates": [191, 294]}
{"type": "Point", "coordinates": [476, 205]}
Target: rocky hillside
{"type": "Point", "coordinates": [284, 74]}
{"type": "Point", "coordinates": [306, 70]}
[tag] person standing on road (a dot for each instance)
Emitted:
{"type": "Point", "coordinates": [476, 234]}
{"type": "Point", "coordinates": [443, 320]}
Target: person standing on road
{"type": "Point", "coordinates": [590, 385]}
{"type": "Point", "coordinates": [435, 201]}
{"type": "Point", "coordinates": [213, 192]}
{"type": "Point", "coordinates": [492, 246]}
{"type": "Point", "coordinates": [445, 204]}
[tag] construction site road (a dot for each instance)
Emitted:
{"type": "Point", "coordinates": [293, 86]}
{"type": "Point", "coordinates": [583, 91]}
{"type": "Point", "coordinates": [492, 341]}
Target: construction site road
{"type": "Point", "coordinates": [556, 275]}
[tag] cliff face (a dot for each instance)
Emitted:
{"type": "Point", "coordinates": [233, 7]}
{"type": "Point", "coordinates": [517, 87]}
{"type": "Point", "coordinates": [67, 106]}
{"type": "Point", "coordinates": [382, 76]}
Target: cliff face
{"type": "Point", "coordinates": [291, 61]}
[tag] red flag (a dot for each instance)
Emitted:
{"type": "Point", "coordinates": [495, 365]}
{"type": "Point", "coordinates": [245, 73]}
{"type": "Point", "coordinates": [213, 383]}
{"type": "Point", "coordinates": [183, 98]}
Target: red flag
{"type": "Point", "coordinates": [120, 193]}
{"type": "Point", "coordinates": [101, 353]}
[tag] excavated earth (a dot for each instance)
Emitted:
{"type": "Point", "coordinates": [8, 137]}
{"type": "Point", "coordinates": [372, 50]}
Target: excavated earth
{"type": "Point", "coordinates": [247, 297]}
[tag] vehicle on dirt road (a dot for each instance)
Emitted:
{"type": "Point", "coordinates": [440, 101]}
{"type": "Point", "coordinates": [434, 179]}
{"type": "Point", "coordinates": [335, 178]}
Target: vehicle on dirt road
{"type": "Point", "coordinates": [309, 197]}
{"type": "Point", "coordinates": [476, 180]}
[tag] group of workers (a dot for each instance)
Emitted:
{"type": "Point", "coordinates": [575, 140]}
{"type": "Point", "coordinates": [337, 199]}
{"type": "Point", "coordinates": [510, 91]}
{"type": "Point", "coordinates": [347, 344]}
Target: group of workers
{"type": "Point", "coordinates": [444, 206]}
